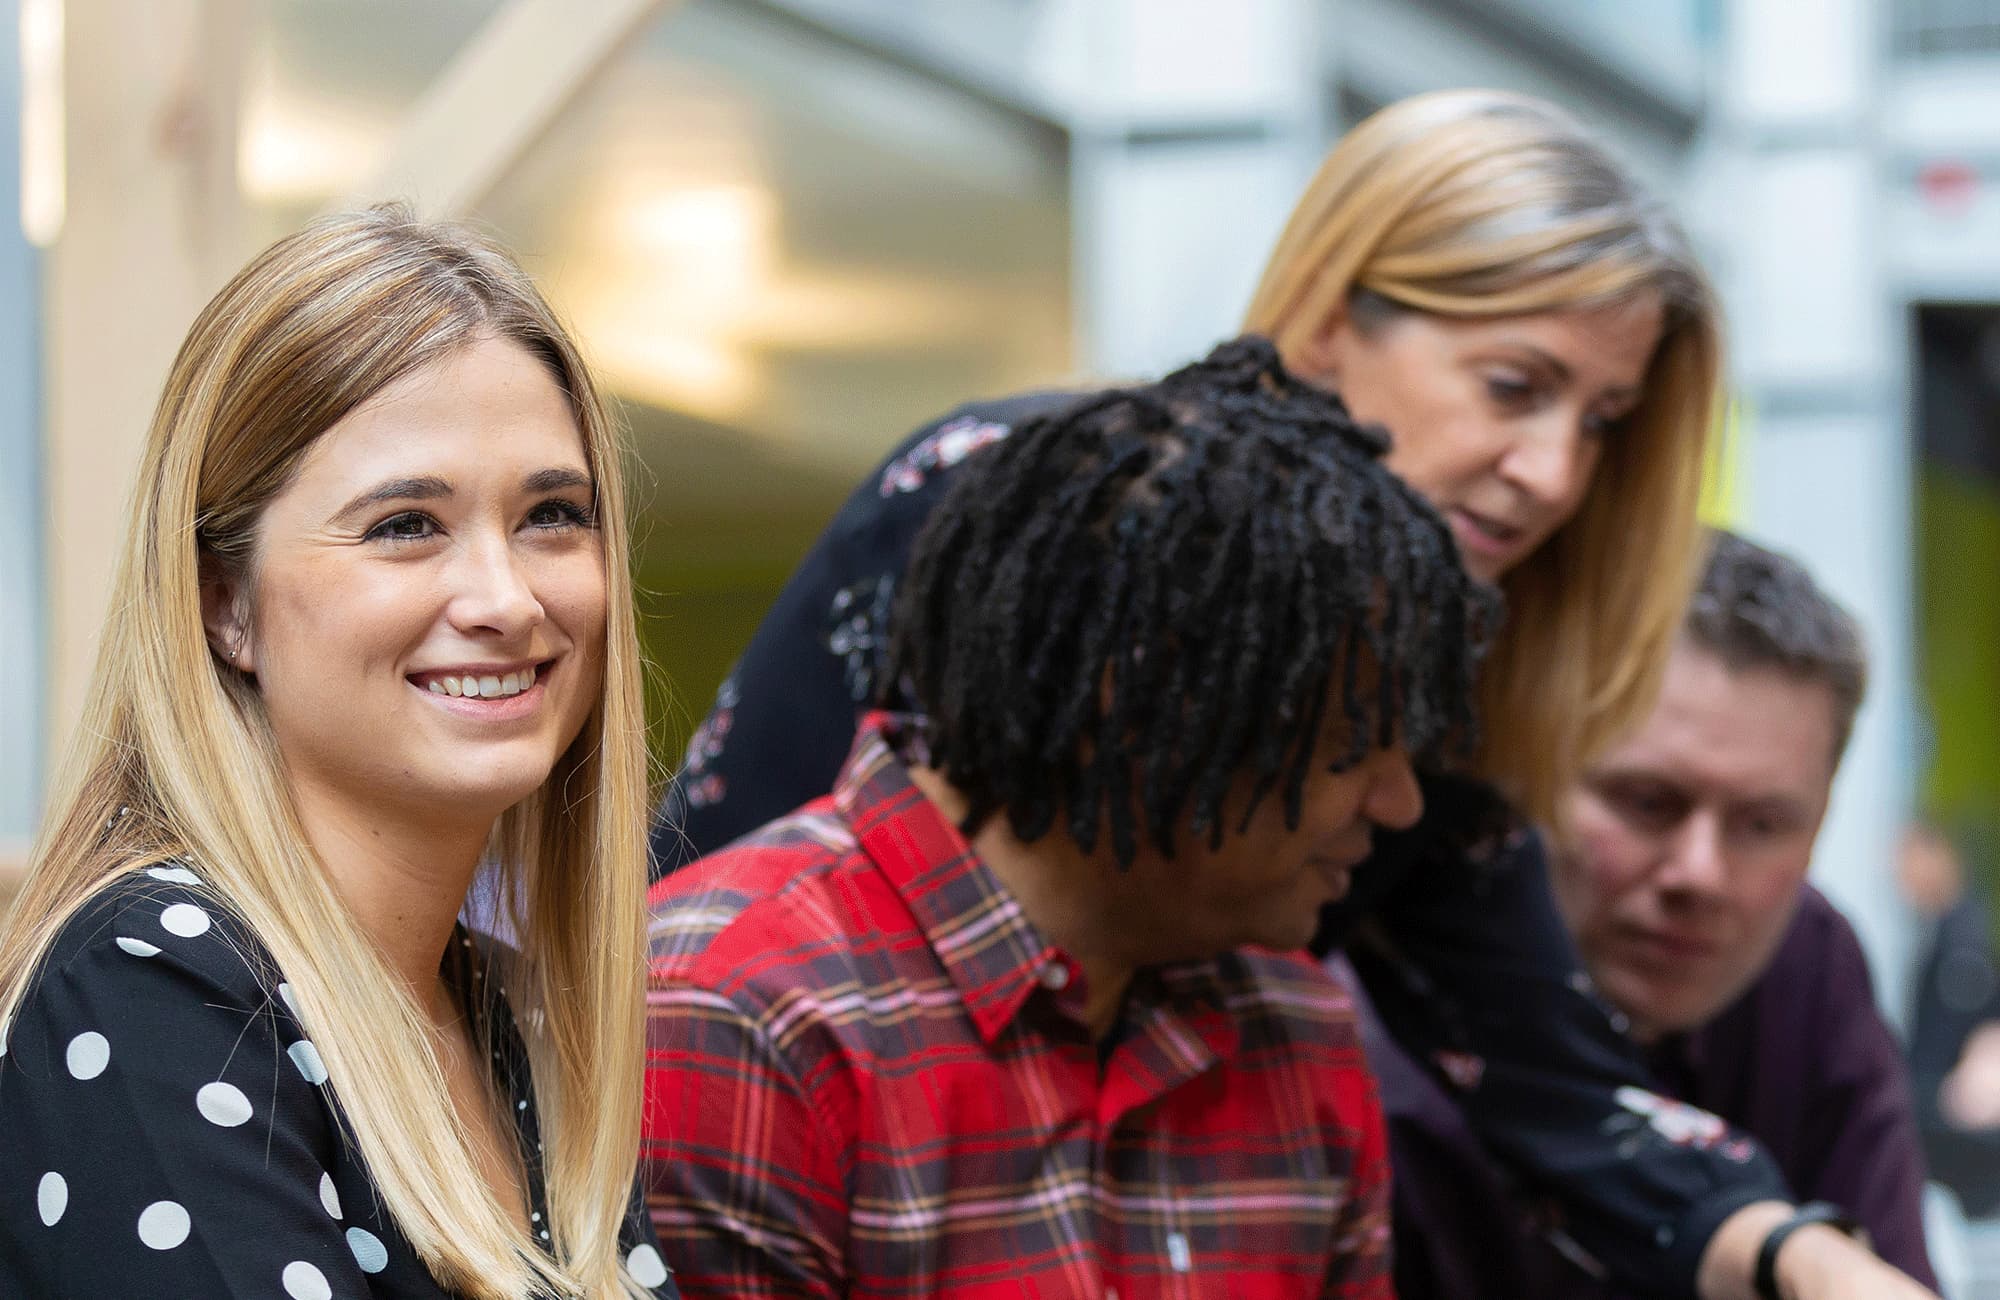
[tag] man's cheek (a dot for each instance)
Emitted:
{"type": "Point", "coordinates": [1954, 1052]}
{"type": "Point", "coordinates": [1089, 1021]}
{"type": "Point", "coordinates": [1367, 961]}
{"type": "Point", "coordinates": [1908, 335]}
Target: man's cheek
{"type": "Point", "coordinates": [1612, 863]}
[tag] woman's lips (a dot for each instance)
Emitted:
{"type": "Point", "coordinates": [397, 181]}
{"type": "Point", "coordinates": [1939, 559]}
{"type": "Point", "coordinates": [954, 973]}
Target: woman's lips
{"type": "Point", "coordinates": [1482, 536]}
{"type": "Point", "coordinates": [501, 708]}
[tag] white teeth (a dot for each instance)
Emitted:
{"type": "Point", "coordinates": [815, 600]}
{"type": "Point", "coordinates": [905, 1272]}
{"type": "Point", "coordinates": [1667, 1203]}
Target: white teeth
{"type": "Point", "coordinates": [488, 686]}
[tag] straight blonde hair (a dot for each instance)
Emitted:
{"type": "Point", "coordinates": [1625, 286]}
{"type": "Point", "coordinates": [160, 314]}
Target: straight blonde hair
{"type": "Point", "coordinates": [174, 755]}
{"type": "Point", "coordinates": [1478, 203]}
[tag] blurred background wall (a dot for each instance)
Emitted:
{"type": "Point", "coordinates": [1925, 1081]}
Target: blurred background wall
{"type": "Point", "coordinates": [789, 230]}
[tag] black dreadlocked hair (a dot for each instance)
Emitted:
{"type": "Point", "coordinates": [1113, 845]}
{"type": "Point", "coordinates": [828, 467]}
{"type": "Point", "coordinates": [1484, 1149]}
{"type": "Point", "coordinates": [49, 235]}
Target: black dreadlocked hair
{"type": "Point", "coordinates": [1135, 599]}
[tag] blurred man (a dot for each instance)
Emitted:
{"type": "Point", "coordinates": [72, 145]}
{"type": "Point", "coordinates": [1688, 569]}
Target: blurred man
{"type": "Point", "coordinates": [1010, 1012]}
{"type": "Point", "coordinates": [1955, 1021]}
{"type": "Point", "coordinates": [1683, 883]}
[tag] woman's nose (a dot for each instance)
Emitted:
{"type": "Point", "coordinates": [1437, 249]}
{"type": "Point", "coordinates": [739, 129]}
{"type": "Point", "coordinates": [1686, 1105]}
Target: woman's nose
{"type": "Point", "coordinates": [493, 592]}
{"type": "Point", "coordinates": [1550, 461]}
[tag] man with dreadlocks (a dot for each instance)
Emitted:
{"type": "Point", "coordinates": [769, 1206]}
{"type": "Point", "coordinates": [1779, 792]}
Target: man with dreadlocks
{"type": "Point", "coordinates": [1006, 1013]}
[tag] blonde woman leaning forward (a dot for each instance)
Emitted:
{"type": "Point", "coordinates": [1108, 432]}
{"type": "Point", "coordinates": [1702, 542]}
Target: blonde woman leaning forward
{"type": "Point", "coordinates": [1475, 272]}
{"type": "Point", "coordinates": [371, 636]}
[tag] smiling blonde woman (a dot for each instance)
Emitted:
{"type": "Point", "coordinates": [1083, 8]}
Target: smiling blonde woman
{"type": "Point", "coordinates": [371, 638]}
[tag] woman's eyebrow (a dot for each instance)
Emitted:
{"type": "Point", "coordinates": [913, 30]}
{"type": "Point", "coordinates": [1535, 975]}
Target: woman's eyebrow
{"type": "Point", "coordinates": [557, 479]}
{"type": "Point", "coordinates": [1558, 368]}
{"type": "Point", "coordinates": [420, 488]}
{"type": "Point", "coordinates": [428, 487]}
{"type": "Point", "coordinates": [1562, 374]}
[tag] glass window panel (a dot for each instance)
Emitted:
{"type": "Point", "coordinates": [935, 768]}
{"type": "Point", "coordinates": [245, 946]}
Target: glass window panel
{"type": "Point", "coordinates": [782, 253]}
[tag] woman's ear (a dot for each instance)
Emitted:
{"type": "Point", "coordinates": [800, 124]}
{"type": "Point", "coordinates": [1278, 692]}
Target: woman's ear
{"type": "Point", "coordinates": [1321, 356]}
{"type": "Point", "coordinates": [225, 613]}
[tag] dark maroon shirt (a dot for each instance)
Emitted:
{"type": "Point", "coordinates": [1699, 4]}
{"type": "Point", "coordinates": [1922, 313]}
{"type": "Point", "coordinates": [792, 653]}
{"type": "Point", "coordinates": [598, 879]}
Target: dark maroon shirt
{"type": "Point", "coordinates": [1802, 1061]}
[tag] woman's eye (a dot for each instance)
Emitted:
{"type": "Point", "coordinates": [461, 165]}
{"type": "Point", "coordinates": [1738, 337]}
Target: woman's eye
{"type": "Point", "coordinates": [410, 526]}
{"type": "Point", "coordinates": [1511, 391]}
{"type": "Point", "coordinates": [558, 513]}
{"type": "Point", "coordinates": [1603, 426]}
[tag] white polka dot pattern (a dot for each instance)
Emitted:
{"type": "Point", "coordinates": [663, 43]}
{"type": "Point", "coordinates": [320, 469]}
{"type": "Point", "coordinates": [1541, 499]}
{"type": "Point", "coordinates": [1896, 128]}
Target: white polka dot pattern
{"type": "Point", "coordinates": [646, 1266]}
{"type": "Point", "coordinates": [163, 1225]}
{"type": "Point", "coordinates": [229, 1077]}
{"type": "Point", "coordinates": [306, 1057]}
{"type": "Point", "coordinates": [370, 1255]}
{"type": "Point", "coordinates": [51, 1198]}
{"type": "Point", "coordinates": [87, 1055]}
{"type": "Point", "coordinates": [223, 1104]}
{"type": "Point", "coordinates": [185, 920]}
{"type": "Point", "coordinates": [304, 1282]}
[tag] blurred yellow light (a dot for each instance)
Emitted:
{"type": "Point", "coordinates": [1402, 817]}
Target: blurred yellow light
{"type": "Point", "coordinates": [291, 149]}
{"type": "Point", "coordinates": [1722, 485]}
{"type": "Point", "coordinates": [684, 292]}
{"type": "Point", "coordinates": [700, 376]}
{"type": "Point", "coordinates": [671, 273]}
{"type": "Point", "coordinates": [703, 254]}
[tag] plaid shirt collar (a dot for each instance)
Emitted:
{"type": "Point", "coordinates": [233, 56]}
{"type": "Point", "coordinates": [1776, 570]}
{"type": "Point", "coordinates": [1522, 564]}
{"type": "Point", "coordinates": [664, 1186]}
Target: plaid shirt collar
{"type": "Point", "coordinates": [996, 956]}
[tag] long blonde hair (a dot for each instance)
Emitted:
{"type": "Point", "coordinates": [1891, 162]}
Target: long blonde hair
{"type": "Point", "coordinates": [1475, 203]}
{"type": "Point", "coordinates": [180, 746]}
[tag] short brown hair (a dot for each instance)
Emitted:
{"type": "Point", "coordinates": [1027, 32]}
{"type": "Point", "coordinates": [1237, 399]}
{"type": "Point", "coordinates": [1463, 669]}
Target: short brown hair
{"type": "Point", "coordinates": [1756, 608]}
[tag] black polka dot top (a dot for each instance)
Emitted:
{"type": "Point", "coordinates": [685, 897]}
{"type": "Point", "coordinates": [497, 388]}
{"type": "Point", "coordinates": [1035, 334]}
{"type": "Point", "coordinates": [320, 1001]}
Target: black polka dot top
{"type": "Point", "coordinates": [167, 1129]}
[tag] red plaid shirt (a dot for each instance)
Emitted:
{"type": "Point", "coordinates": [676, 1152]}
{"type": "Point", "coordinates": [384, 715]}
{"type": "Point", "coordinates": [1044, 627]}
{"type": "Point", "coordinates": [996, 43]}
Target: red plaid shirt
{"type": "Point", "coordinates": [868, 1075]}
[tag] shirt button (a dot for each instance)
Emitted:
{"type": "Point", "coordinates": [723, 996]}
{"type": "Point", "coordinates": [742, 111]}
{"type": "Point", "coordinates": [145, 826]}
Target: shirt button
{"type": "Point", "coordinates": [1055, 978]}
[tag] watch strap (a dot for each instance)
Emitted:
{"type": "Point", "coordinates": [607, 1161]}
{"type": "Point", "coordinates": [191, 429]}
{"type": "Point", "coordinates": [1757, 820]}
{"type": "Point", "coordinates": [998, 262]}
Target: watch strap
{"type": "Point", "coordinates": [1805, 1216]}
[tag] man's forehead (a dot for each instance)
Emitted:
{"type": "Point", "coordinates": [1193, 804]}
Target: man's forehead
{"type": "Point", "coordinates": [1752, 732]}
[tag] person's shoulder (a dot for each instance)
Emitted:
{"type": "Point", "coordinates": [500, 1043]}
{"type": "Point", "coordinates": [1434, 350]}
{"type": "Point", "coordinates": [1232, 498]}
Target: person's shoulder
{"type": "Point", "coordinates": [1819, 941]}
{"type": "Point", "coordinates": [777, 886]}
{"type": "Point", "coordinates": [1294, 1023]}
{"type": "Point", "coordinates": [1818, 983]}
{"type": "Point", "coordinates": [989, 419]}
{"type": "Point", "coordinates": [1291, 992]}
{"type": "Point", "coordinates": [167, 916]}
{"type": "Point", "coordinates": [1817, 912]}
{"type": "Point", "coordinates": [1019, 408]}
{"type": "Point", "coordinates": [151, 961]}
{"type": "Point", "coordinates": [921, 464]}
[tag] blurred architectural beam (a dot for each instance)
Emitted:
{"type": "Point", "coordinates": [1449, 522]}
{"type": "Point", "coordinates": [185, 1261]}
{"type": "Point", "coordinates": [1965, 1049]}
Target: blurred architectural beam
{"type": "Point", "coordinates": [1193, 126]}
{"type": "Point", "coordinates": [496, 98]}
{"type": "Point", "coordinates": [1604, 51]}
{"type": "Point", "coordinates": [151, 229]}
{"type": "Point", "coordinates": [1796, 148]}
{"type": "Point", "coordinates": [24, 68]}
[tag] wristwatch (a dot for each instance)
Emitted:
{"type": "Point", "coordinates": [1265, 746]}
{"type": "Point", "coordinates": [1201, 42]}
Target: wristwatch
{"type": "Point", "coordinates": [1810, 1213]}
